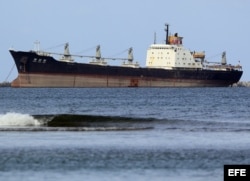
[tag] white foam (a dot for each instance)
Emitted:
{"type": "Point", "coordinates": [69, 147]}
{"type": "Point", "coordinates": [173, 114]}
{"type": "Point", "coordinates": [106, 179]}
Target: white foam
{"type": "Point", "coordinates": [17, 119]}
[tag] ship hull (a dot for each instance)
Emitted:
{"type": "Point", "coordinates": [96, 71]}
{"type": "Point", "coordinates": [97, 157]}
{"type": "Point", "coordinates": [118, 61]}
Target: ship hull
{"type": "Point", "coordinates": [61, 80]}
{"type": "Point", "coordinates": [44, 71]}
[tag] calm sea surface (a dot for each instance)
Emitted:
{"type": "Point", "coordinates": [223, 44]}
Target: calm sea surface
{"type": "Point", "coordinates": [123, 134]}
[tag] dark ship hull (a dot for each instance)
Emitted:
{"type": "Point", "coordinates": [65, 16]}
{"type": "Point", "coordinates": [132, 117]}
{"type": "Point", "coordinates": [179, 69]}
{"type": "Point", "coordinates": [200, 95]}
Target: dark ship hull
{"type": "Point", "coordinates": [36, 70]}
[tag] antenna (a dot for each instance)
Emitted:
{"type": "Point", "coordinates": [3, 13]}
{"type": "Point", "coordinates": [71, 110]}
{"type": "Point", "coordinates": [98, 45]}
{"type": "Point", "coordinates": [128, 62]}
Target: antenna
{"type": "Point", "coordinates": [155, 38]}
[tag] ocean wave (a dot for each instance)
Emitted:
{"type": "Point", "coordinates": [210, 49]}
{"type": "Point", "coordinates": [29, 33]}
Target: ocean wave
{"type": "Point", "coordinates": [69, 122]}
{"type": "Point", "coordinates": [18, 119]}
{"type": "Point", "coordinates": [78, 122]}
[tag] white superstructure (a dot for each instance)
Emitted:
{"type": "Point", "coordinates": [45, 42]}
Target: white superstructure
{"type": "Point", "coordinates": [173, 55]}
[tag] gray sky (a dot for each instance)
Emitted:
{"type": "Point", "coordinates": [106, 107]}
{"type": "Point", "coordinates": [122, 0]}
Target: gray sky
{"type": "Point", "coordinates": [212, 26]}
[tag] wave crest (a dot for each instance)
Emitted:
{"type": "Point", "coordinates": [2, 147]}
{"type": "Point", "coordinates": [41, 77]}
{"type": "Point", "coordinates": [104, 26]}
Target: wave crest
{"type": "Point", "coordinates": [18, 119]}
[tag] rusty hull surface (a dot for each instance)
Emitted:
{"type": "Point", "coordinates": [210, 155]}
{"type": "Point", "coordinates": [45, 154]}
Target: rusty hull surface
{"type": "Point", "coordinates": [51, 80]}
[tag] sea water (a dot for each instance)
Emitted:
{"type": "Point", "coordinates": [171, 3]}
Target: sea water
{"type": "Point", "coordinates": [123, 134]}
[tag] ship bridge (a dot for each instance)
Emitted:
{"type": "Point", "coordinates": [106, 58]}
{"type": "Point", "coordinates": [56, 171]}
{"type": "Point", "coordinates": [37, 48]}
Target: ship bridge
{"type": "Point", "coordinates": [172, 55]}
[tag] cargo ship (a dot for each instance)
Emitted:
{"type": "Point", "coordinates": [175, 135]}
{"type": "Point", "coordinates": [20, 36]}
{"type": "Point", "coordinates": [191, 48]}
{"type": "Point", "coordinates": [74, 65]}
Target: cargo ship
{"type": "Point", "coordinates": [167, 65]}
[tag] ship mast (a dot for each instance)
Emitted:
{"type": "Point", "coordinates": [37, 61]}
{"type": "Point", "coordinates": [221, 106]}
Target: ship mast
{"type": "Point", "coordinates": [66, 56]}
{"type": "Point", "coordinates": [98, 52]}
{"type": "Point", "coordinates": [37, 46]}
{"type": "Point", "coordinates": [224, 59]}
{"type": "Point", "coordinates": [167, 29]}
{"type": "Point", "coordinates": [130, 55]}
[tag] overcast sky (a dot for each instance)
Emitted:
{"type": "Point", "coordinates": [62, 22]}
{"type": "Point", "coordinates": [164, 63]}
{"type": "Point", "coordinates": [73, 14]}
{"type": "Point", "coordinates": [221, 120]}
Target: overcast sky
{"type": "Point", "coordinates": [212, 26]}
